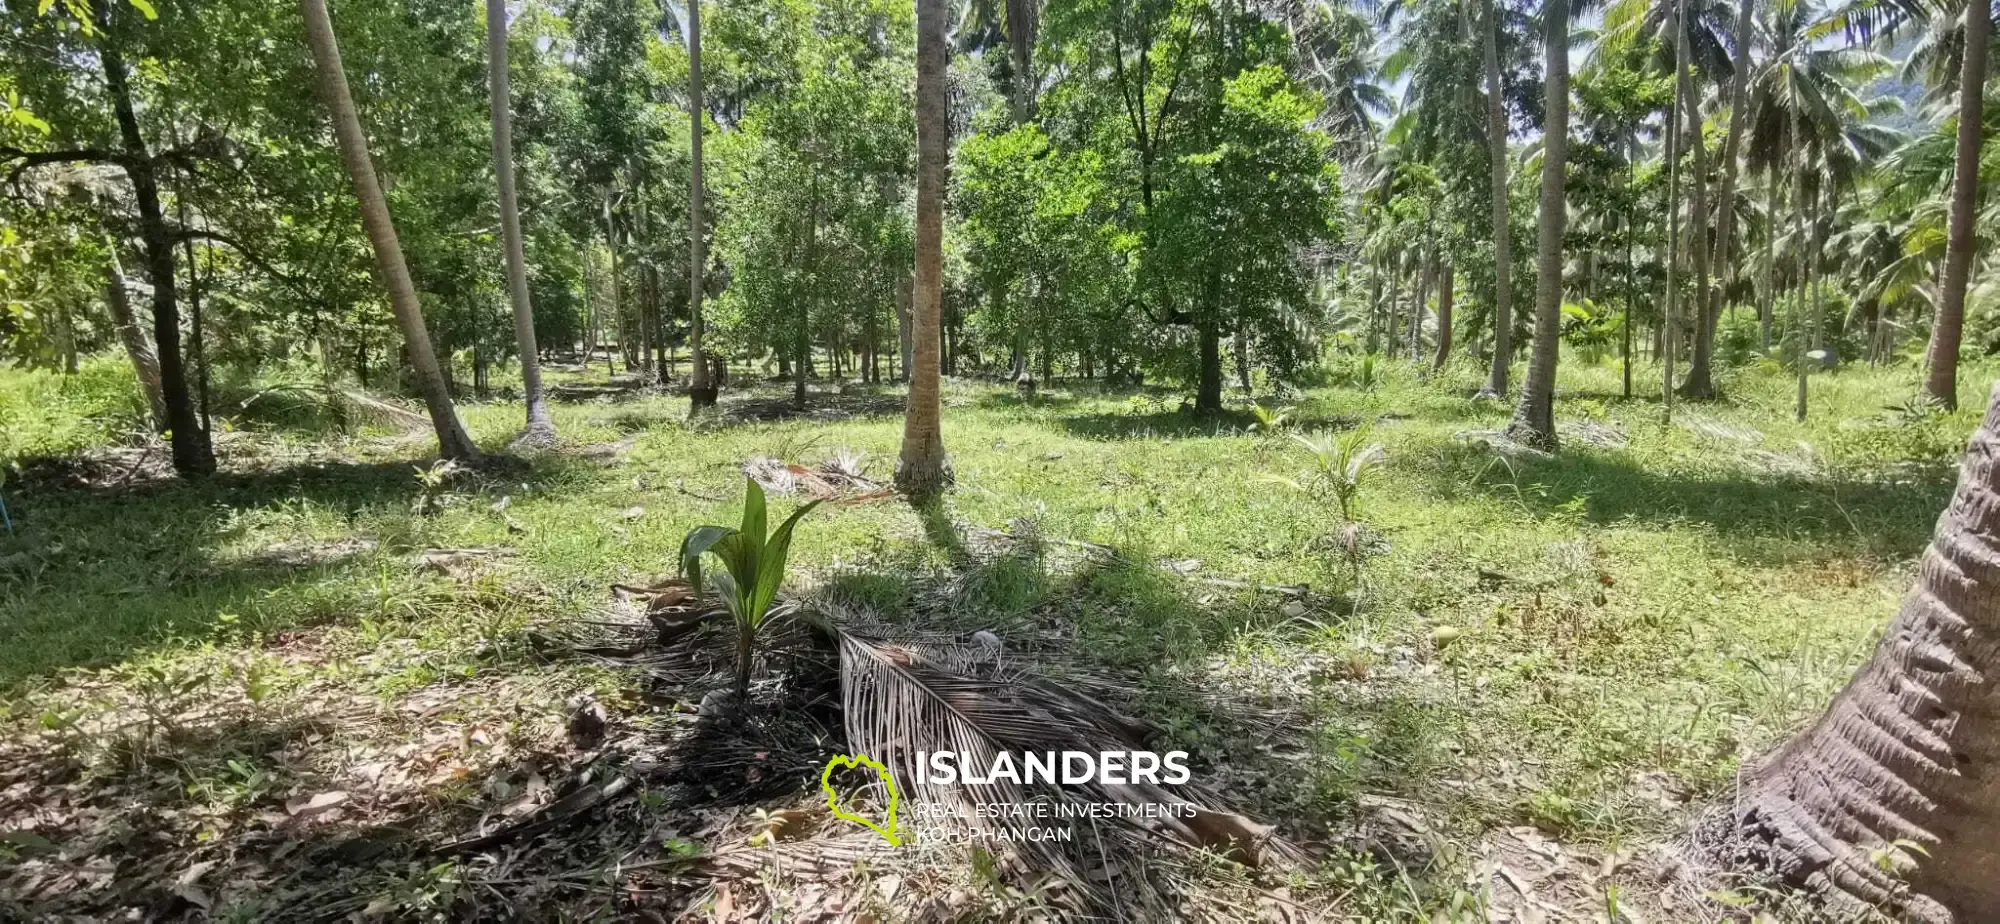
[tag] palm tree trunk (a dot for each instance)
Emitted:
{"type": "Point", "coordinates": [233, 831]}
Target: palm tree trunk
{"type": "Point", "coordinates": [905, 344]}
{"type": "Point", "coordinates": [1443, 354]}
{"type": "Point", "coordinates": [541, 427]}
{"type": "Point", "coordinates": [1534, 417]}
{"type": "Point", "coordinates": [1768, 298]}
{"type": "Point", "coordinates": [145, 364]}
{"type": "Point", "coordinates": [1899, 755]}
{"type": "Point", "coordinates": [1670, 316]}
{"type": "Point", "coordinates": [453, 442]}
{"type": "Point", "coordinates": [922, 472]}
{"type": "Point", "coordinates": [701, 392]}
{"type": "Point", "coordinates": [1699, 383]}
{"type": "Point", "coordinates": [1503, 244]}
{"type": "Point", "coordinates": [1725, 221]}
{"type": "Point", "coordinates": [1942, 383]}
{"type": "Point", "coordinates": [1631, 236]}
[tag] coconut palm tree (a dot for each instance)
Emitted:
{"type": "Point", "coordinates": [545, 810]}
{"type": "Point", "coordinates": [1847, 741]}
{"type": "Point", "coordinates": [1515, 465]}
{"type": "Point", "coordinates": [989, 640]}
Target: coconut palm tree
{"type": "Point", "coordinates": [1503, 243]}
{"type": "Point", "coordinates": [1941, 383]}
{"type": "Point", "coordinates": [453, 442]}
{"type": "Point", "coordinates": [541, 428]}
{"type": "Point", "coordinates": [922, 471]}
{"type": "Point", "coordinates": [1534, 417]}
{"type": "Point", "coordinates": [701, 393]}
{"type": "Point", "coordinates": [1884, 801]}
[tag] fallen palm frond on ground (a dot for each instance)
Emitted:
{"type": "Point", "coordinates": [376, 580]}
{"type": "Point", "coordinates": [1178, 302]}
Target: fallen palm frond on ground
{"type": "Point", "coordinates": [840, 479]}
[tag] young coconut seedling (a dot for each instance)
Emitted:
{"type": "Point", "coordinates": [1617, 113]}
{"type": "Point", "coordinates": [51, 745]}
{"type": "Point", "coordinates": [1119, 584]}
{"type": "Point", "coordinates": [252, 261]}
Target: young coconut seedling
{"type": "Point", "coordinates": [753, 568]}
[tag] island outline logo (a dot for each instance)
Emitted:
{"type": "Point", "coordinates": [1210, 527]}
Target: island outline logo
{"type": "Point", "coordinates": [838, 761]}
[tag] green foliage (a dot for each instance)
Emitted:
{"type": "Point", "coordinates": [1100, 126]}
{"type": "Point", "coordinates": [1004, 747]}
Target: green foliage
{"type": "Point", "coordinates": [1341, 464]}
{"type": "Point", "coordinates": [753, 569]}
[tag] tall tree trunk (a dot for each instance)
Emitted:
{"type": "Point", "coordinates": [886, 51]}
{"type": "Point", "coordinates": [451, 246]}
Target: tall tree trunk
{"type": "Point", "coordinates": [541, 428]}
{"type": "Point", "coordinates": [1725, 221]}
{"type": "Point", "coordinates": [1804, 245]}
{"type": "Point", "coordinates": [1904, 752]}
{"type": "Point", "coordinates": [1390, 315]}
{"type": "Point", "coordinates": [904, 338]}
{"type": "Point", "coordinates": [1241, 347]}
{"type": "Point", "coordinates": [1503, 244]}
{"type": "Point", "coordinates": [1445, 284]}
{"type": "Point", "coordinates": [1942, 383]}
{"type": "Point", "coordinates": [1208, 393]}
{"type": "Point", "coordinates": [616, 289]}
{"type": "Point", "coordinates": [1534, 418]}
{"type": "Point", "coordinates": [1767, 299]}
{"type": "Point", "coordinates": [1699, 383]}
{"type": "Point", "coordinates": [145, 364]}
{"type": "Point", "coordinates": [802, 345]}
{"type": "Point", "coordinates": [922, 472]}
{"type": "Point", "coordinates": [1631, 235]}
{"type": "Point", "coordinates": [453, 442]}
{"type": "Point", "coordinates": [193, 454]}
{"type": "Point", "coordinates": [1426, 271]}
{"type": "Point", "coordinates": [701, 391]}
{"type": "Point", "coordinates": [1670, 323]}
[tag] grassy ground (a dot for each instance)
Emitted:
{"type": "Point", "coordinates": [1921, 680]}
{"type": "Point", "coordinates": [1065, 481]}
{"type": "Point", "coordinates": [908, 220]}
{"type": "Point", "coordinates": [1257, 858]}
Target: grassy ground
{"type": "Point", "coordinates": [1542, 670]}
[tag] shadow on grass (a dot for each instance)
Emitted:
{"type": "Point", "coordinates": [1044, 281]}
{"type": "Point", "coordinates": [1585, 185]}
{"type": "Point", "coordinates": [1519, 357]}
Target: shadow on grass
{"type": "Point", "coordinates": [1765, 516]}
{"type": "Point", "coordinates": [91, 576]}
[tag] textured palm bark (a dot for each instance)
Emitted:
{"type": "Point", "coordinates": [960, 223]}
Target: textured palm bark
{"type": "Point", "coordinates": [922, 472]}
{"type": "Point", "coordinates": [1503, 244]}
{"type": "Point", "coordinates": [1534, 418]}
{"type": "Point", "coordinates": [1942, 382]}
{"type": "Point", "coordinates": [541, 428]}
{"type": "Point", "coordinates": [453, 442]}
{"type": "Point", "coordinates": [1443, 354]}
{"type": "Point", "coordinates": [1699, 383]}
{"type": "Point", "coordinates": [1907, 751]}
{"type": "Point", "coordinates": [701, 391]}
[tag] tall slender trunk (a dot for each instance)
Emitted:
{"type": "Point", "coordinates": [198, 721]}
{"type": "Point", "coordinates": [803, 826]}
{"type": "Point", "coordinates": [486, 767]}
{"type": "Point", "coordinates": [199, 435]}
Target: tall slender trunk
{"type": "Point", "coordinates": [905, 342]}
{"type": "Point", "coordinates": [1503, 244]}
{"type": "Point", "coordinates": [1768, 297]}
{"type": "Point", "coordinates": [1241, 347]}
{"type": "Point", "coordinates": [616, 288]}
{"type": "Point", "coordinates": [1900, 754]}
{"type": "Point", "coordinates": [145, 364]}
{"type": "Point", "coordinates": [1725, 222]}
{"type": "Point", "coordinates": [1445, 283]}
{"type": "Point", "coordinates": [1942, 383]}
{"type": "Point", "coordinates": [1804, 280]}
{"type": "Point", "coordinates": [453, 441]}
{"type": "Point", "coordinates": [1631, 235]}
{"type": "Point", "coordinates": [192, 452]}
{"type": "Point", "coordinates": [1425, 270]}
{"type": "Point", "coordinates": [1670, 318]}
{"type": "Point", "coordinates": [802, 345]}
{"type": "Point", "coordinates": [1208, 390]}
{"type": "Point", "coordinates": [1534, 417]}
{"type": "Point", "coordinates": [922, 472]}
{"type": "Point", "coordinates": [1390, 315]}
{"type": "Point", "coordinates": [701, 392]}
{"type": "Point", "coordinates": [541, 428]}
{"type": "Point", "coordinates": [1699, 383]}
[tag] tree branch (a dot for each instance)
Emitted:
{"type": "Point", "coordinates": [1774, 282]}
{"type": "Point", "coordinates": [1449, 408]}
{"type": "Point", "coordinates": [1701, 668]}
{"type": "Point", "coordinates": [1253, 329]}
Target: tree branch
{"type": "Point", "coordinates": [31, 159]}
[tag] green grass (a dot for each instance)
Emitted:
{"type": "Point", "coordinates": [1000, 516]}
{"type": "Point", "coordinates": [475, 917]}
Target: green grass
{"type": "Point", "coordinates": [1634, 618]}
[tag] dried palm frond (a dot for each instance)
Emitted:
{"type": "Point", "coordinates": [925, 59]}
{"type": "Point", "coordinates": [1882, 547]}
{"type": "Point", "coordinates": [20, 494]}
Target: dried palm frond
{"type": "Point", "coordinates": [904, 694]}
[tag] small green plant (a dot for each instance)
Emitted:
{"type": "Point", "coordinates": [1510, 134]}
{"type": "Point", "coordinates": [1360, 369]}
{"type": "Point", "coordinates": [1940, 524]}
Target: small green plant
{"type": "Point", "coordinates": [433, 485]}
{"type": "Point", "coordinates": [753, 568]}
{"type": "Point", "coordinates": [1341, 465]}
{"type": "Point", "coordinates": [1270, 420]}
